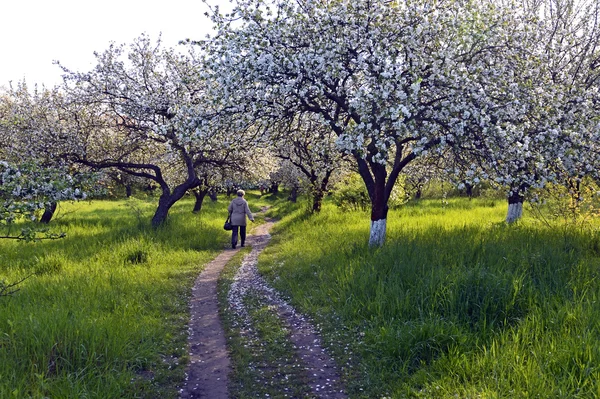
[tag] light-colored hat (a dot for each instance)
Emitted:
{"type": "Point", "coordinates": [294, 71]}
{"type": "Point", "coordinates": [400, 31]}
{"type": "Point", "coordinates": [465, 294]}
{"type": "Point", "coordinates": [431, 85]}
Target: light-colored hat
{"type": "Point", "coordinates": [241, 193]}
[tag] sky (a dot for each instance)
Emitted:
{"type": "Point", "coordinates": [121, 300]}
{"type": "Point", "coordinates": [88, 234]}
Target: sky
{"type": "Point", "coordinates": [34, 33]}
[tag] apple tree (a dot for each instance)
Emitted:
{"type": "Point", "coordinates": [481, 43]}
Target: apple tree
{"type": "Point", "coordinates": [392, 80]}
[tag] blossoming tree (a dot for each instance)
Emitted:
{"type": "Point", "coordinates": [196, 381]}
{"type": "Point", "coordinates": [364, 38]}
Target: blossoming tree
{"type": "Point", "coordinates": [26, 189]}
{"type": "Point", "coordinates": [33, 175]}
{"type": "Point", "coordinates": [310, 147]}
{"type": "Point", "coordinates": [150, 108]}
{"type": "Point", "coordinates": [393, 80]}
{"type": "Point", "coordinates": [555, 138]}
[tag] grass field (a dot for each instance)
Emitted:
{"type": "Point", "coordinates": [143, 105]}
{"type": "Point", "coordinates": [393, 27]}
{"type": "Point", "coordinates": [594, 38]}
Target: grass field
{"type": "Point", "coordinates": [455, 305]}
{"type": "Point", "coordinates": [104, 314]}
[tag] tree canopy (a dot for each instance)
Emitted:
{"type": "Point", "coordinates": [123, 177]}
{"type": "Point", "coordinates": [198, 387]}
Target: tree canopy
{"type": "Point", "coordinates": [393, 80]}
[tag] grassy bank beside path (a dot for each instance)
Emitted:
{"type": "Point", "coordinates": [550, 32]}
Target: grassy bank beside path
{"type": "Point", "coordinates": [104, 314]}
{"type": "Point", "coordinates": [455, 305]}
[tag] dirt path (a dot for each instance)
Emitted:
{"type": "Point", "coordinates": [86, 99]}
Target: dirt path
{"type": "Point", "coordinates": [209, 362]}
{"type": "Point", "coordinates": [322, 373]}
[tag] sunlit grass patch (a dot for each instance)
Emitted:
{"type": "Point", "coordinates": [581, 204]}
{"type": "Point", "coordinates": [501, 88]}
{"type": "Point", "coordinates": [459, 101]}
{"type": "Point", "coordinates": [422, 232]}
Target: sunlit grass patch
{"type": "Point", "coordinates": [104, 313]}
{"type": "Point", "coordinates": [455, 304]}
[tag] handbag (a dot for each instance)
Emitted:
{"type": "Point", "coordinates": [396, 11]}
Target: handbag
{"type": "Point", "coordinates": [227, 226]}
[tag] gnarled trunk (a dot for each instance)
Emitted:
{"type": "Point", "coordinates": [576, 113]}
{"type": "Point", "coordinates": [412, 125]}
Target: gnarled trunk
{"type": "Point", "coordinates": [48, 213]}
{"type": "Point", "coordinates": [162, 211]}
{"type": "Point", "coordinates": [168, 198]}
{"type": "Point", "coordinates": [199, 194]}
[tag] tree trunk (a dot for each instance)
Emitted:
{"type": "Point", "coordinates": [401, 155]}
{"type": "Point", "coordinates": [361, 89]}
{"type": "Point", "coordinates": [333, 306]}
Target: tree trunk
{"type": "Point", "coordinates": [162, 211]}
{"type": "Point", "coordinates": [317, 200]}
{"type": "Point", "coordinates": [418, 193]}
{"type": "Point", "coordinates": [212, 194]}
{"type": "Point", "coordinates": [293, 197]}
{"type": "Point", "coordinates": [168, 199]}
{"type": "Point", "coordinates": [48, 213]}
{"type": "Point", "coordinates": [275, 188]}
{"type": "Point", "coordinates": [574, 186]}
{"type": "Point", "coordinates": [377, 233]}
{"type": "Point", "coordinates": [515, 207]}
{"type": "Point", "coordinates": [379, 207]}
{"type": "Point", "coordinates": [319, 192]}
{"type": "Point", "coordinates": [469, 190]}
{"type": "Point", "coordinates": [375, 178]}
{"type": "Point", "coordinates": [379, 210]}
{"type": "Point", "coordinates": [199, 194]}
{"type": "Point", "coordinates": [128, 190]}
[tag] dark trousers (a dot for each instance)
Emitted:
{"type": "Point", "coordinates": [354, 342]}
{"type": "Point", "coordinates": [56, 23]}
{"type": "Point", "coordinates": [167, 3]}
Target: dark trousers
{"type": "Point", "coordinates": [234, 235]}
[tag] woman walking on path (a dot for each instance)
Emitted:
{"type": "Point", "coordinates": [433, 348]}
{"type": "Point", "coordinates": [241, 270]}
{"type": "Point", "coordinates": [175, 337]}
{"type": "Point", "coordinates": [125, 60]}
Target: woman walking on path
{"type": "Point", "coordinates": [238, 208]}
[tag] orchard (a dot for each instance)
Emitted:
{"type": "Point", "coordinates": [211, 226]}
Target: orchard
{"type": "Point", "coordinates": [387, 150]}
{"type": "Point", "coordinates": [497, 93]}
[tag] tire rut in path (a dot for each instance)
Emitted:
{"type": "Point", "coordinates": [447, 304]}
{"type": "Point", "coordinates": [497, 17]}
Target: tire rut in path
{"type": "Point", "coordinates": [209, 365]}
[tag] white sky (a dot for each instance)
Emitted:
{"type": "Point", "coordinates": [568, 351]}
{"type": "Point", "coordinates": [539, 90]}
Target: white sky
{"type": "Point", "coordinates": [34, 33]}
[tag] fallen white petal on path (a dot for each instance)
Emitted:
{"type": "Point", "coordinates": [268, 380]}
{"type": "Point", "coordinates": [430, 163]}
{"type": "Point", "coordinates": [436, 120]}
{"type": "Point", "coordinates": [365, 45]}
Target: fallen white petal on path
{"type": "Point", "coordinates": [322, 372]}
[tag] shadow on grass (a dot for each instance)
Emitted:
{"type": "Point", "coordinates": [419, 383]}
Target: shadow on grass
{"type": "Point", "coordinates": [432, 292]}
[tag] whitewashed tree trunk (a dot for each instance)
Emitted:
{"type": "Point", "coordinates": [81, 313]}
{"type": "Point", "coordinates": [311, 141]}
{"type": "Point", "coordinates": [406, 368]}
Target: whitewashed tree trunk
{"type": "Point", "coordinates": [515, 211]}
{"type": "Point", "coordinates": [378, 228]}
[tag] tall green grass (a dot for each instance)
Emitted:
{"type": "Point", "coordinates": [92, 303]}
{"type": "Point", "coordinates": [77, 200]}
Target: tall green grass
{"type": "Point", "coordinates": [455, 305]}
{"type": "Point", "coordinates": [104, 313]}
